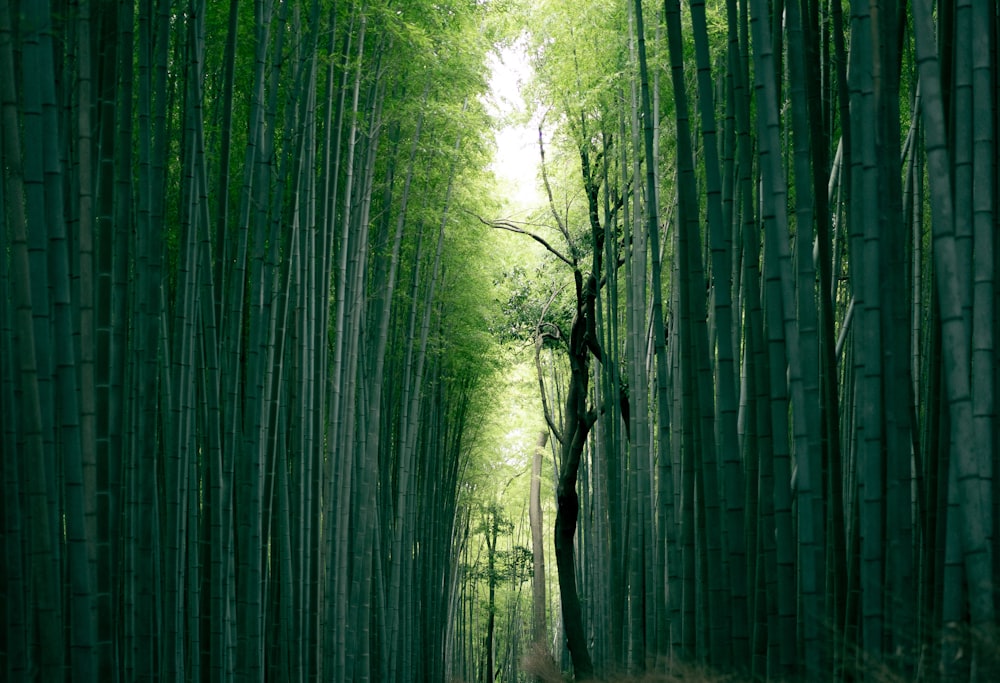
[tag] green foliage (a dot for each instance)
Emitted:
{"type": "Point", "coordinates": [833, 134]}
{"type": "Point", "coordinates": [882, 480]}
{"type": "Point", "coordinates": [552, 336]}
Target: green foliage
{"type": "Point", "coordinates": [513, 567]}
{"type": "Point", "coordinates": [511, 561]}
{"type": "Point", "coordinates": [578, 55]}
{"type": "Point", "coordinates": [530, 308]}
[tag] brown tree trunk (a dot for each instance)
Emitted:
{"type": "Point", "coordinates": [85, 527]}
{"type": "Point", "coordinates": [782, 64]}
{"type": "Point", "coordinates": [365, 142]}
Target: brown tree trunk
{"type": "Point", "coordinates": [576, 425]}
{"type": "Point", "coordinates": [537, 543]}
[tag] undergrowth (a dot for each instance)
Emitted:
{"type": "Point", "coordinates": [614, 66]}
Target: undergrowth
{"type": "Point", "coordinates": [973, 655]}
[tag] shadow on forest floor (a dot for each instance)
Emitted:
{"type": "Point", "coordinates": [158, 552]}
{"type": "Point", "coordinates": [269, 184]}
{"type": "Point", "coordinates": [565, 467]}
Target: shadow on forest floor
{"type": "Point", "coordinates": [929, 668]}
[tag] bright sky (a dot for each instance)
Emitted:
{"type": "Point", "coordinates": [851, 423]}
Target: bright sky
{"type": "Point", "coordinates": [516, 161]}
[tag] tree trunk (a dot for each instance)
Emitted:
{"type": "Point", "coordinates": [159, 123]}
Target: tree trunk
{"type": "Point", "coordinates": [577, 421]}
{"type": "Point", "coordinates": [539, 625]}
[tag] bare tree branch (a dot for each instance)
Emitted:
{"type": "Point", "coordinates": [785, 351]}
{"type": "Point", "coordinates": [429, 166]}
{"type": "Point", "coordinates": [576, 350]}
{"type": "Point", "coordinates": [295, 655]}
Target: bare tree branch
{"type": "Point", "coordinates": [504, 224]}
{"type": "Point", "coordinates": [548, 190]}
{"type": "Point", "coordinates": [539, 338]}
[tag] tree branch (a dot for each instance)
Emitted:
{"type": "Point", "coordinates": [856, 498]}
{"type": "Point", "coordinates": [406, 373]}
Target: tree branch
{"type": "Point", "coordinates": [548, 189]}
{"type": "Point", "coordinates": [504, 224]}
{"type": "Point", "coordinates": [539, 337]}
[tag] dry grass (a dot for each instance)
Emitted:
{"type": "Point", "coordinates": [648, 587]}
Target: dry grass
{"type": "Point", "coordinates": [539, 662]}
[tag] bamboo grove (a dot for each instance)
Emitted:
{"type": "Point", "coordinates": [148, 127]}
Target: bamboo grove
{"type": "Point", "coordinates": [249, 345]}
{"type": "Point", "coordinates": [242, 332]}
{"type": "Point", "coordinates": [781, 221]}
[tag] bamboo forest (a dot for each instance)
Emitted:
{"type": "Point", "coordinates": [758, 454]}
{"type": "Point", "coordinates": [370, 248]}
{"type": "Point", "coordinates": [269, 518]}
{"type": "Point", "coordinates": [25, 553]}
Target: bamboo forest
{"type": "Point", "coordinates": [499, 341]}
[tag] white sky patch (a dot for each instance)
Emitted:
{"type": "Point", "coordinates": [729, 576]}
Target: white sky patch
{"type": "Point", "coordinates": [516, 160]}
